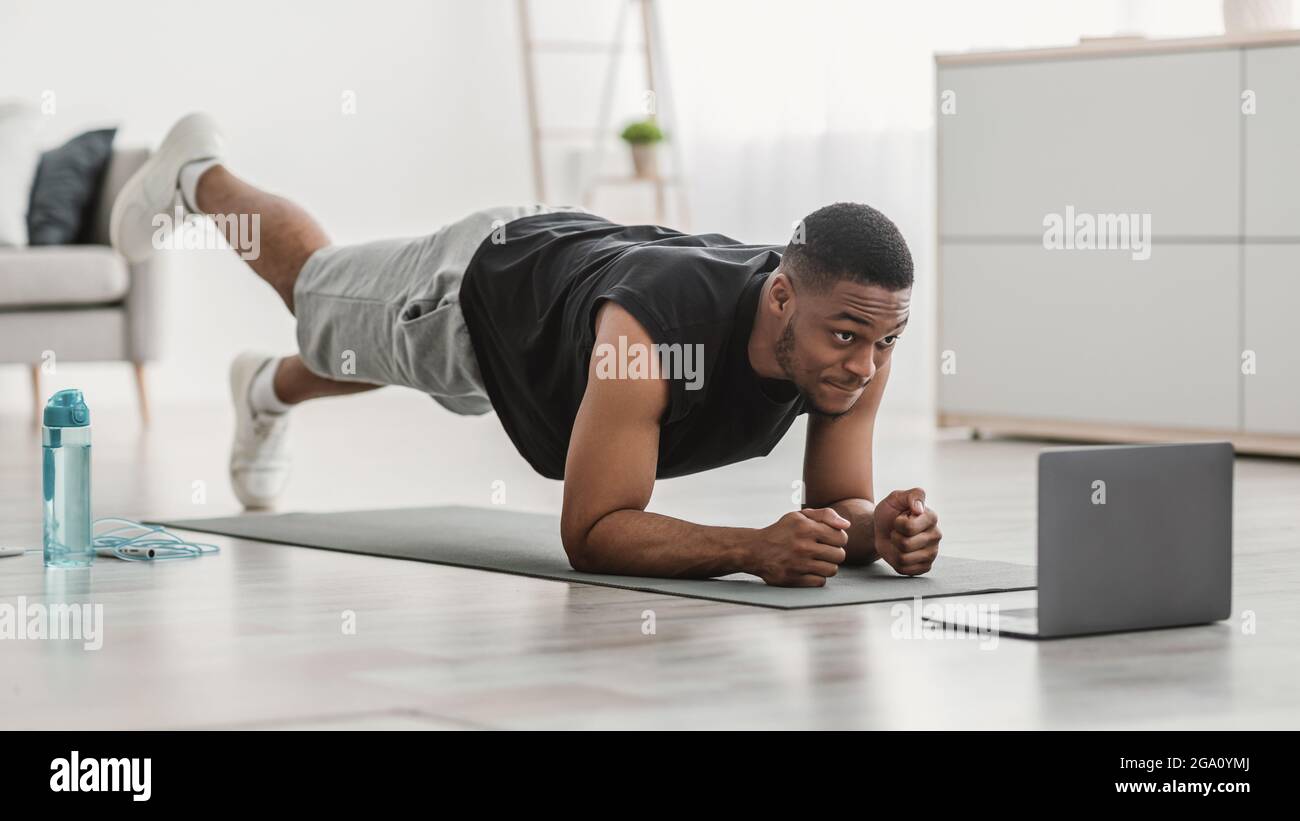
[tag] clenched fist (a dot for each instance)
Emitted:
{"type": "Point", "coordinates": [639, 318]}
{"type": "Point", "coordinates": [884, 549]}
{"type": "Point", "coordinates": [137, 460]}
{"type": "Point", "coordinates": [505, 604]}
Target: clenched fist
{"type": "Point", "coordinates": [906, 532]}
{"type": "Point", "coordinates": [802, 549]}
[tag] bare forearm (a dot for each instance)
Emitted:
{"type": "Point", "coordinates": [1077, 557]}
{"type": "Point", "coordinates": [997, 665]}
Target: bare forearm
{"type": "Point", "coordinates": [637, 543]}
{"type": "Point", "coordinates": [861, 548]}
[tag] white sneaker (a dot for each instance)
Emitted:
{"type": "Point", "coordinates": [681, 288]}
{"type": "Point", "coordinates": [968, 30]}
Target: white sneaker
{"type": "Point", "coordinates": [152, 189]}
{"type": "Point", "coordinates": [259, 456]}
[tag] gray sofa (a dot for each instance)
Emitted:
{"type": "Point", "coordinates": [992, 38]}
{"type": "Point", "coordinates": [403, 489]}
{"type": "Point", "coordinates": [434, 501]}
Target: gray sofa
{"type": "Point", "coordinates": [83, 303]}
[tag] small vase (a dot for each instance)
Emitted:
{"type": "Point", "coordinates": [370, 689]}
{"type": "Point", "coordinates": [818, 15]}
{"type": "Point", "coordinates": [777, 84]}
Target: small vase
{"type": "Point", "coordinates": [645, 160]}
{"type": "Point", "coordinates": [1245, 16]}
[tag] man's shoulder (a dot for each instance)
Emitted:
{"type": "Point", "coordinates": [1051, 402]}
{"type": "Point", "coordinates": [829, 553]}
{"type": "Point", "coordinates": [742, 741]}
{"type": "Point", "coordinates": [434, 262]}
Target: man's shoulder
{"type": "Point", "coordinates": [621, 389]}
{"type": "Point", "coordinates": [692, 285]}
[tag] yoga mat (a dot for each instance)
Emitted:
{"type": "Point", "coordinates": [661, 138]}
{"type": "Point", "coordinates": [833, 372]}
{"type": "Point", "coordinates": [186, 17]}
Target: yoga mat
{"type": "Point", "coordinates": [528, 544]}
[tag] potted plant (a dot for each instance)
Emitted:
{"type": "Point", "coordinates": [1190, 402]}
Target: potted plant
{"type": "Point", "coordinates": [643, 137]}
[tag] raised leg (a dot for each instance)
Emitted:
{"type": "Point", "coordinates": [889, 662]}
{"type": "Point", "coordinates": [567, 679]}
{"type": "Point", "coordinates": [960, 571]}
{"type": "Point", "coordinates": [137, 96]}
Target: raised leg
{"type": "Point", "coordinates": [288, 235]}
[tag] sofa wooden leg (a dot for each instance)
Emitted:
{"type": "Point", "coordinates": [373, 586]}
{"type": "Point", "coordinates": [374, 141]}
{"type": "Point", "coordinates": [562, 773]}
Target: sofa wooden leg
{"type": "Point", "coordinates": [142, 392]}
{"type": "Point", "coordinates": [37, 405]}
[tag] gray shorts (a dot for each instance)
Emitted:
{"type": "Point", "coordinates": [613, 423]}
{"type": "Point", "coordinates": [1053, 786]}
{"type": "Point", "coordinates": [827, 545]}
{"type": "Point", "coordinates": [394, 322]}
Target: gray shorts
{"type": "Point", "coordinates": [388, 312]}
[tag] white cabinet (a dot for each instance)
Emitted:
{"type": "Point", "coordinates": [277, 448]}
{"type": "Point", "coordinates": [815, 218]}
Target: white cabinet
{"type": "Point", "coordinates": [1272, 392]}
{"type": "Point", "coordinates": [1203, 136]}
{"type": "Point", "coordinates": [1272, 157]}
{"type": "Point", "coordinates": [1083, 336]}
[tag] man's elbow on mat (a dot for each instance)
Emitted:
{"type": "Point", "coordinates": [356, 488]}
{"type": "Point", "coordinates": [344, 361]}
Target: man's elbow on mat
{"type": "Point", "coordinates": [580, 561]}
{"type": "Point", "coordinates": [585, 555]}
{"type": "Point", "coordinates": [574, 536]}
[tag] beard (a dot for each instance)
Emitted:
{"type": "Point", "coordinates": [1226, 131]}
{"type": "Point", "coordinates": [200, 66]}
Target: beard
{"type": "Point", "coordinates": [786, 359]}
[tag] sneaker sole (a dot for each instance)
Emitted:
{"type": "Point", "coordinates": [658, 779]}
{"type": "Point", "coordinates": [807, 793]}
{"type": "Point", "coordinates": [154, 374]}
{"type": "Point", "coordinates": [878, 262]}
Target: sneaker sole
{"type": "Point", "coordinates": [135, 190]}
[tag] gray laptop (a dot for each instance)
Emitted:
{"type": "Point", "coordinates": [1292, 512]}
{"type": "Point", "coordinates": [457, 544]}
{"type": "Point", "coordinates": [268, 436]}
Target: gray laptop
{"type": "Point", "coordinates": [1130, 537]}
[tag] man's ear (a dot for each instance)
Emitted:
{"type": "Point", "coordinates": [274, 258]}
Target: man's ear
{"type": "Point", "coordinates": [781, 294]}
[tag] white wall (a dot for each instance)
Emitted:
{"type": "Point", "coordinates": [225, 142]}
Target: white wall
{"type": "Point", "coordinates": [439, 130]}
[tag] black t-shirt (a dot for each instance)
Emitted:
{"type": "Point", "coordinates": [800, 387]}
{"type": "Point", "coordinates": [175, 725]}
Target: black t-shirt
{"type": "Point", "coordinates": [530, 304]}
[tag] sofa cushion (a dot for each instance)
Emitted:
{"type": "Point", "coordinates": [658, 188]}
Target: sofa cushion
{"type": "Point", "coordinates": [44, 276]}
{"type": "Point", "coordinates": [66, 189]}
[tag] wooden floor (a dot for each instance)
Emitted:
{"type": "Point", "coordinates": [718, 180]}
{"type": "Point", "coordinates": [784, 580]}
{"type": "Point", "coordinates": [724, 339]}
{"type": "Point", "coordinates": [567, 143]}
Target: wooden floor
{"type": "Point", "coordinates": [254, 637]}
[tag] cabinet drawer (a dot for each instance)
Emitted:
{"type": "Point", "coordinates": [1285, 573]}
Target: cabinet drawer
{"type": "Point", "coordinates": [1156, 134]}
{"type": "Point", "coordinates": [1092, 336]}
{"type": "Point", "coordinates": [1273, 143]}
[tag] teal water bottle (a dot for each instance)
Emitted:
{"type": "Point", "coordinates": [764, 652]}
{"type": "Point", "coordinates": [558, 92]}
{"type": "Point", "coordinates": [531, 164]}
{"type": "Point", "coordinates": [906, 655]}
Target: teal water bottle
{"type": "Point", "coordinates": [65, 462]}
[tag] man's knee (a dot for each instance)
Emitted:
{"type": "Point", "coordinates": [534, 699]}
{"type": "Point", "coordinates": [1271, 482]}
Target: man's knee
{"type": "Point", "coordinates": [285, 278]}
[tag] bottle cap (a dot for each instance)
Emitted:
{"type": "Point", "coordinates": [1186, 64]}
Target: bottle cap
{"type": "Point", "coordinates": [67, 409]}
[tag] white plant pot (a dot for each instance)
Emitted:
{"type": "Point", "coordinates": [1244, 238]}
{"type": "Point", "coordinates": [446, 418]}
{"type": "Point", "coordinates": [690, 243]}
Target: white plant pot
{"type": "Point", "coordinates": [645, 160]}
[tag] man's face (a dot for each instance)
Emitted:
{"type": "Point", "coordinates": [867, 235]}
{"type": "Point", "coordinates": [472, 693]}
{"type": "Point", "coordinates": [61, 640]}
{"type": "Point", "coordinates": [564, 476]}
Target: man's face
{"type": "Point", "coordinates": [833, 343]}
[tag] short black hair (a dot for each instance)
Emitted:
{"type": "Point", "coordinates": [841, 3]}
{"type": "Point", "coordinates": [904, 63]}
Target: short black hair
{"type": "Point", "coordinates": [848, 240]}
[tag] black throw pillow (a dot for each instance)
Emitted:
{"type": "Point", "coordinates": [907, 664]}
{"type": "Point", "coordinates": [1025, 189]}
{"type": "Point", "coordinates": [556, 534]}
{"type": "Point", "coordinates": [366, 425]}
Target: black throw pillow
{"type": "Point", "coordinates": [66, 190]}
